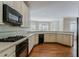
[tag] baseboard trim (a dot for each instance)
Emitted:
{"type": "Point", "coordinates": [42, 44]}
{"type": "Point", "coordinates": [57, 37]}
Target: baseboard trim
{"type": "Point", "coordinates": [56, 43]}
{"type": "Point", "coordinates": [50, 42]}
{"type": "Point", "coordinates": [64, 44]}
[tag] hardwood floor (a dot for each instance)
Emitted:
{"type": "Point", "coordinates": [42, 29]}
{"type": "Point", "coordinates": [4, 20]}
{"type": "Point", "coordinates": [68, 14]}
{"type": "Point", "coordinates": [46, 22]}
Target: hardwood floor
{"type": "Point", "coordinates": [51, 50]}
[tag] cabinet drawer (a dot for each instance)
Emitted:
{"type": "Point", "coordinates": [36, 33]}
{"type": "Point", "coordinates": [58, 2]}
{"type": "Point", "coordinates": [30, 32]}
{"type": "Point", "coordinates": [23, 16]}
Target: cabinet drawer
{"type": "Point", "coordinates": [7, 52]}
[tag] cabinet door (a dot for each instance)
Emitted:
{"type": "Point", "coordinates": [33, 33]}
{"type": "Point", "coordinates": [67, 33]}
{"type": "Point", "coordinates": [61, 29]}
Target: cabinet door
{"type": "Point", "coordinates": [36, 39]}
{"type": "Point", "coordinates": [31, 43]}
{"type": "Point", "coordinates": [60, 38]}
{"type": "Point", "coordinates": [33, 40]}
{"type": "Point", "coordinates": [12, 4]}
{"type": "Point", "coordinates": [18, 6]}
{"type": "Point", "coordinates": [52, 37]}
{"type": "Point", "coordinates": [67, 40]}
{"type": "Point", "coordinates": [1, 8]}
{"type": "Point", "coordinates": [64, 39]}
{"type": "Point", "coordinates": [8, 52]}
{"type": "Point", "coordinates": [46, 37]}
{"type": "Point", "coordinates": [25, 13]}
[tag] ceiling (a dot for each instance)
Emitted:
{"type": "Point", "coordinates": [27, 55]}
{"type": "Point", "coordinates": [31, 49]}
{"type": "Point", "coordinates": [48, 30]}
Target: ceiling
{"type": "Point", "coordinates": [50, 10]}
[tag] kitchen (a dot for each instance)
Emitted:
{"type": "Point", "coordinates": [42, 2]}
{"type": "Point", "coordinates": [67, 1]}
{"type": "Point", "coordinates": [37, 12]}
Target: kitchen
{"type": "Point", "coordinates": [22, 28]}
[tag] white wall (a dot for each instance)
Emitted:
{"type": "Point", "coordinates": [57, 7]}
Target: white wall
{"type": "Point", "coordinates": [49, 10]}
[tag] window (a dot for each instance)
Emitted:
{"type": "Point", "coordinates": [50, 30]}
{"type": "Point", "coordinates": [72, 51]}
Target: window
{"type": "Point", "coordinates": [33, 26]}
{"type": "Point", "coordinates": [43, 27]}
{"type": "Point", "coordinates": [54, 26]}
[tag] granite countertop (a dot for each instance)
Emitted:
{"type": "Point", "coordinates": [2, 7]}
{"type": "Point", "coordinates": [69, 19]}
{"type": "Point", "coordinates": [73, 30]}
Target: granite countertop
{"type": "Point", "coordinates": [56, 32]}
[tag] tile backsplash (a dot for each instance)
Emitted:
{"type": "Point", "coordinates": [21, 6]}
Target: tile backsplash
{"type": "Point", "coordinates": [6, 31]}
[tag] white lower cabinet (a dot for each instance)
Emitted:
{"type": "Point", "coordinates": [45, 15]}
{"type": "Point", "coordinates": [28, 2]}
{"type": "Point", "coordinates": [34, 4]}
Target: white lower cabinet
{"type": "Point", "coordinates": [36, 39]}
{"type": "Point", "coordinates": [60, 38]}
{"type": "Point", "coordinates": [46, 37]}
{"type": "Point", "coordinates": [49, 37]}
{"type": "Point", "coordinates": [32, 41]}
{"type": "Point", "coordinates": [30, 44]}
{"type": "Point", "coordinates": [65, 39]}
{"type": "Point", "coordinates": [8, 52]}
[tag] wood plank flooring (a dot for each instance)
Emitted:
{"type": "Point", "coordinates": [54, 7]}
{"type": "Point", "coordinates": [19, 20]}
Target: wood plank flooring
{"type": "Point", "coordinates": [51, 50]}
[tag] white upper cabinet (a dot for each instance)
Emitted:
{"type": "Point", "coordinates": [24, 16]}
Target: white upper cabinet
{"type": "Point", "coordinates": [25, 13]}
{"type": "Point", "coordinates": [1, 8]}
{"type": "Point", "coordinates": [15, 5]}
{"type": "Point", "coordinates": [10, 3]}
{"type": "Point", "coordinates": [18, 6]}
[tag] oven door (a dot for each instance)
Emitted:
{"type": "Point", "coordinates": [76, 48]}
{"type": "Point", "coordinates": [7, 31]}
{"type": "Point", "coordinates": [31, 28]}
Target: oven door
{"type": "Point", "coordinates": [23, 53]}
{"type": "Point", "coordinates": [22, 49]}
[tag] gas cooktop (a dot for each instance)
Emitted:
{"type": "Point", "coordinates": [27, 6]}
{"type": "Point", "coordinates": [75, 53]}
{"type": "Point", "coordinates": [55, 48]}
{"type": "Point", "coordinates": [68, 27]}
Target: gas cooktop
{"type": "Point", "coordinates": [11, 39]}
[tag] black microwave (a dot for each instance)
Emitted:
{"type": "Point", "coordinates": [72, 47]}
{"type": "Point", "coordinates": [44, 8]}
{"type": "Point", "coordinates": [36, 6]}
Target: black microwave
{"type": "Point", "coordinates": [11, 16]}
